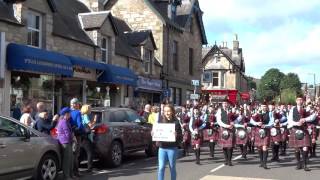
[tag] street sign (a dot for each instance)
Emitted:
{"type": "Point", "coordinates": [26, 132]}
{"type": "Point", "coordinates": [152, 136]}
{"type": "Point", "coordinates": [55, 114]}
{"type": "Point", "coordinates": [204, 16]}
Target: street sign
{"type": "Point", "coordinates": [195, 82]}
{"type": "Point", "coordinates": [194, 96]}
{"type": "Point", "coordinates": [166, 93]}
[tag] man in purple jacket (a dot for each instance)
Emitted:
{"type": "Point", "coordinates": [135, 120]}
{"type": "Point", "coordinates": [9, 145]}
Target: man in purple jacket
{"type": "Point", "coordinates": [65, 139]}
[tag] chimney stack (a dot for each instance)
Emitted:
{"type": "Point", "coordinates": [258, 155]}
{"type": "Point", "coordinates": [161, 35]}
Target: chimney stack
{"type": "Point", "coordinates": [235, 43]}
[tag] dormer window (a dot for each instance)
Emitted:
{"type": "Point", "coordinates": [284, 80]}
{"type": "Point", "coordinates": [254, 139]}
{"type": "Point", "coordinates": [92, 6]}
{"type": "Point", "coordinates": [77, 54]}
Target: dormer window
{"type": "Point", "coordinates": [105, 49]}
{"type": "Point", "coordinates": [147, 60]}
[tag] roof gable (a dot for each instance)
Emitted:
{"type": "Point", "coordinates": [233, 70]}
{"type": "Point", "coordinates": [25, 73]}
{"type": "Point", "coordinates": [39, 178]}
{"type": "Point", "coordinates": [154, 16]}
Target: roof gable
{"type": "Point", "coordinates": [95, 20]}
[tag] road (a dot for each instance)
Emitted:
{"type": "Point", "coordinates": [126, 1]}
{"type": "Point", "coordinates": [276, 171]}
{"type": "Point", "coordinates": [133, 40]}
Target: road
{"type": "Point", "coordinates": [138, 167]}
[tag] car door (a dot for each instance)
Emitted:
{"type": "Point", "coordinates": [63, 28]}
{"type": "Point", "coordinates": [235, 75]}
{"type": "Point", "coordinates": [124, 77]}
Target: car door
{"type": "Point", "coordinates": [16, 152]}
{"type": "Point", "coordinates": [121, 125]}
{"type": "Point", "coordinates": [139, 130]}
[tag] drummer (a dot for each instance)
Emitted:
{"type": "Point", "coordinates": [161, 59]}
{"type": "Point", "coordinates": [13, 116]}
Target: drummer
{"type": "Point", "coordinates": [275, 131]}
{"type": "Point", "coordinates": [241, 132]}
{"type": "Point", "coordinates": [262, 133]}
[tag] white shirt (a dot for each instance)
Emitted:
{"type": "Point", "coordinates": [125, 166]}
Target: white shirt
{"type": "Point", "coordinates": [27, 119]}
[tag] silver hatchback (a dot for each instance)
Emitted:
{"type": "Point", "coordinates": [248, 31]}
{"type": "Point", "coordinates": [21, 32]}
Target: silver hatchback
{"type": "Point", "coordinates": [25, 152]}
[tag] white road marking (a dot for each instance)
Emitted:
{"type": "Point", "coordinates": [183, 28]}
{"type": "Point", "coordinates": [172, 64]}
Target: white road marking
{"type": "Point", "coordinates": [100, 172]}
{"type": "Point", "coordinates": [212, 177]}
{"type": "Point", "coordinates": [222, 165]}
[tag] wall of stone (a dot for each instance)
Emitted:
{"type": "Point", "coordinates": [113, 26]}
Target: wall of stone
{"type": "Point", "coordinates": [140, 17]}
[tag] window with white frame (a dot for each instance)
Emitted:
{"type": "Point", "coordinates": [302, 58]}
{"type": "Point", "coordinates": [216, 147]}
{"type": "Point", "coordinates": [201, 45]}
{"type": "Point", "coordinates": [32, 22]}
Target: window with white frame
{"type": "Point", "coordinates": [105, 49]}
{"type": "Point", "coordinates": [215, 79]}
{"type": "Point", "coordinates": [34, 29]}
{"type": "Point", "coordinates": [222, 79]}
{"type": "Point", "coordinates": [147, 58]}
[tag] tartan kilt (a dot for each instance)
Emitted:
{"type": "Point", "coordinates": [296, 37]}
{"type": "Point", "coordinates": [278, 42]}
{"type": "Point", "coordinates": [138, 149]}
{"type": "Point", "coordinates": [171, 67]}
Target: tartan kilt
{"type": "Point", "coordinates": [258, 141]}
{"type": "Point", "coordinates": [227, 143]}
{"type": "Point", "coordinates": [295, 143]}
{"type": "Point", "coordinates": [211, 135]}
{"type": "Point", "coordinates": [250, 134]}
{"type": "Point", "coordinates": [284, 135]}
{"type": "Point", "coordinates": [241, 141]}
{"type": "Point", "coordinates": [278, 137]}
{"type": "Point", "coordinates": [187, 137]}
{"type": "Point", "coordinates": [198, 139]}
{"type": "Point", "coordinates": [313, 134]}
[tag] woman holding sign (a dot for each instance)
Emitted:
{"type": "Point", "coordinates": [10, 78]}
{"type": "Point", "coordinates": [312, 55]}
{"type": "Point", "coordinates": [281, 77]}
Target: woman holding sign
{"type": "Point", "coordinates": [168, 150]}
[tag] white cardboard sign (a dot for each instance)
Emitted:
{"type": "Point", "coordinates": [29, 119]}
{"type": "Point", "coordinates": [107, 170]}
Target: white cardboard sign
{"type": "Point", "coordinates": [164, 132]}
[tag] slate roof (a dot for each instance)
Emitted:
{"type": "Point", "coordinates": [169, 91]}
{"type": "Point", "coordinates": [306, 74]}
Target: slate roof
{"type": "Point", "coordinates": [122, 44]}
{"type": "Point", "coordinates": [138, 38]}
{"type": "Point", "coordinates": [66, 22]}
{"type": "Point", "coordinates": [6, 13]}
{"type": "Point", "coordinates": [94, 20]}
{"type": "Point", "coordinates": [184, 12]}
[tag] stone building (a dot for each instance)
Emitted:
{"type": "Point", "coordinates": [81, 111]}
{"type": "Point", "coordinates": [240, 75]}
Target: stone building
{"type": "Point", "coordinates": [178, 32]}
{"type": "Point", "coordinates": [54, 50]}
{"type": "Point", "coordinates": [224, 73]}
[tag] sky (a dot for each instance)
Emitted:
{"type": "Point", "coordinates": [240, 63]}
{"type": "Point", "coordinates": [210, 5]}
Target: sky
{"type": "Point", "coordinates": [283, 34]}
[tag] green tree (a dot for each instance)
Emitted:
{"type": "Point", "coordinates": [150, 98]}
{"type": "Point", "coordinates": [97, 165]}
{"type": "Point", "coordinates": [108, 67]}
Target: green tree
{"type": "Point", "coordinates": [291, 81]}
{"type": "Point", "coordinates": [288, 96]}
{"type": "Point", "coordinates": [251, 83]}
{"type": "Point", "coordinates": [269, 87]}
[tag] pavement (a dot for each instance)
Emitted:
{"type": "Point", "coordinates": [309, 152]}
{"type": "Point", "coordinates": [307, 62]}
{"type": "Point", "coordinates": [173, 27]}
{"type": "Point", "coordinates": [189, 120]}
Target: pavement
{"type": "Point", "coordinates": [138, 167]}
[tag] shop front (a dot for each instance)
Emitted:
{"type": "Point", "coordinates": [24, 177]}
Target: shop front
{"type": "Point", "coordinates": [218, 96]}
{"type": "Point", "coordinates": [33, 75]}
{"type": "Point", "coordinates": [148, 91]}
{"type": "Point", "coordinates": [118, 83]}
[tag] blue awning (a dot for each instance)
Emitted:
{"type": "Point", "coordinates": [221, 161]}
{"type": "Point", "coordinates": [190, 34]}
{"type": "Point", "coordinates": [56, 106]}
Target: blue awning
{"type": "Point", "coordinates": [118, 75]}
{"type": "Point", "coordinates": [21, 57]}
{"type": "Point", "coordinates": [86, 63]}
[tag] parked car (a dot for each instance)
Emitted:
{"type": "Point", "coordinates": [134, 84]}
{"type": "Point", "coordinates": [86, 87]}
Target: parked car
{"type": "Point", "coordinates": [26, 153]}
{"type": "Point", "coordinates": [120, 131]}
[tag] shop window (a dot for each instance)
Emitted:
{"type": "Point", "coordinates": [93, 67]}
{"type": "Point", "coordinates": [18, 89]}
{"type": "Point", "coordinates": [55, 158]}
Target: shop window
{"type": "Point", "coordinates": [34, 29]}
{"type": "Point", "coordinates": [147, 57]}
{"type": "Point", "coordinates": [188, 92]}
{"type": "Point", "coordinates": [215, 79]}
{"type": "Point", "coordinates": [105, 49]}
{"type": "Point", "coordinates": [172, 95]}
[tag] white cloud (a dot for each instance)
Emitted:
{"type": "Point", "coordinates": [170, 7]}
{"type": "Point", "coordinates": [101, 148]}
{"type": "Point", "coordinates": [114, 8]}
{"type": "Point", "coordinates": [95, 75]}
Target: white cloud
{"type": "Point", "coordinates": [291, 44]}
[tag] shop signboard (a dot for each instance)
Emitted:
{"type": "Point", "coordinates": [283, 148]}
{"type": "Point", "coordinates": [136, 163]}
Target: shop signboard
{"type": "Point", "coordinates": [84, 73]}
{"type": "Point", "coordinates": [149, 84]}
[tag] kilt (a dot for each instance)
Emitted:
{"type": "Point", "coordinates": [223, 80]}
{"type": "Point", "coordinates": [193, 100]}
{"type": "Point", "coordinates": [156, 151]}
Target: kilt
{"type": "Point", "coordinates": [295, 143]}
{"type": "Point", "coordinates": [278, 137]}
{"type": "Point", "coordinates": [198, 139]}
{"type": "Point", "coordinates": [258, 141]}
{"type": "Point", "coordinates": [312, 128]}
{"type": "Point", "coordinates": [250, 133]}
{"type": "Point", "coordinates": [284, 134]}
{"type": "Point", "coordinates": [227, 143]}
{"type": "Point", "coordinates": [240, 141]}
{"type": "Point", "coordinates": [211, 135]}
{"type": "Point", "coordinates": [187, 137]}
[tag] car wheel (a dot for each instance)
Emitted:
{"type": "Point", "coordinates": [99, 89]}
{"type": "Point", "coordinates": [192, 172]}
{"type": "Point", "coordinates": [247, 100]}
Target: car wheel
{"type": "Point", "coordinates": [152, 149]}
{"type": "Point", "coordinates": [115, 154]}
{"type": "Point", "coordinates": [47, 168]}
